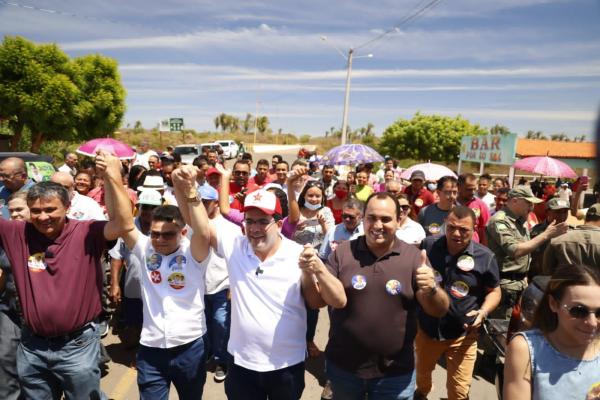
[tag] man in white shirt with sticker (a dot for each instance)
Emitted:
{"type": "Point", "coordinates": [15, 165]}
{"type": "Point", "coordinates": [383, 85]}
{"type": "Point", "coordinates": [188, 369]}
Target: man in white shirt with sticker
{"type": "Point", "coordinates": [270, 278]}
{"type": "Point", "coordinates": [172, 280]}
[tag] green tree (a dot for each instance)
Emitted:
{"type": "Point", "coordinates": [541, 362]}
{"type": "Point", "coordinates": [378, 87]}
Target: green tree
{"type": "Point", "coordinates": [138, 127]}
{"type": "Point", "coordinates": [536, 135]}
{"type": "Point", "coordinates": [262, 124]}
{"type": "Point", "coordinates": [560, 137]}
{"type": "Point", "coordinates": [499, 130]}
{"type": "Point", "coordinates": [248, 123]}
{"type": "Point", "coordinates": [427, 137]}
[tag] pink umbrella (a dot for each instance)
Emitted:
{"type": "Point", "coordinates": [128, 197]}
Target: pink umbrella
{"type": "Point", "coordinates": [432, 172]}
{"type": "Point", "coordinates": [113, 146]}
{"type": "Point", "coordinates": [546, 166]}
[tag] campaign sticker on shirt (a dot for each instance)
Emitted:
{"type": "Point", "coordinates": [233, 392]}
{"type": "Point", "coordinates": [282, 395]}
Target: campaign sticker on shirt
{"type": "Point", "coordinates": [177, 263]}
{"type": "Point", "coordinates": [438, 277]}
{"type": "Point", "coordinates": [176, 280]}
{"type": "Point", "coordinates": [477, 212]}
{"type": "Point", "coordinates": [434, 229]}
{"type": "Point", "coordinates": [359, 282]}
{"type": "Point", "coordinates": [36, 262]}
{"type": "Point", "coordinates": [78, 215]}
{"type": "Point", "coordinates": [153, 262]}
{"type": "Point", "coordinates": [155, 277]}
{"type": "Point", "coordinates": [419, 202]}
{"type": "Point", "coordinates": [465, 263]}
{"type": "Point", "coordinates": [459, 289]}
{"type": "Point", "coordinates": [393, 287]}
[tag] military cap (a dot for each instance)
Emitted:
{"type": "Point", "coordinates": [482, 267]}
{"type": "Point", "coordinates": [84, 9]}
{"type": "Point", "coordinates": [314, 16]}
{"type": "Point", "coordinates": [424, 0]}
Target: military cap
{"type": "Point", "coordinates": [556, 203]}
{"type": "Point", "coordinates": [523, 192]}
{"type": "Point", "coordinates": [593, 211]}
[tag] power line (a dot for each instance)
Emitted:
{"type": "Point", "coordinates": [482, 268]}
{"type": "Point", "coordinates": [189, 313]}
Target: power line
{"type": "Point", "coordinates": [410, 17]}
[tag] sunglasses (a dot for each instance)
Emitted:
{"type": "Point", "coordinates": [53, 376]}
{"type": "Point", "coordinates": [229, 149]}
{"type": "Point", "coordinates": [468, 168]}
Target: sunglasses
{"type": "Point", "coordinates": [240, 173]}
{"type": "Point", "coordinates": [348, 216]}
{"type": "Point", "coordinates": [165, 235]}
{"type": "Point", "coordinates": [580, 311]}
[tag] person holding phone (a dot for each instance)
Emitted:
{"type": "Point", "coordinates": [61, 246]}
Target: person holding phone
{"type": "Point", "coordinates": [468, 271]}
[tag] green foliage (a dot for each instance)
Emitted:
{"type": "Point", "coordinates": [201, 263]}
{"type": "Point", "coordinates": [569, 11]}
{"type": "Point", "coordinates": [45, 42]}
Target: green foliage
{"type": "Point", "coordinates": [499, 130]}
{"type": "Point", "coordinates": [57, 98]}
{"type": "Point", "coordinates": [427, 137]}
{"type": "Point", "coordinates": [304, 139]}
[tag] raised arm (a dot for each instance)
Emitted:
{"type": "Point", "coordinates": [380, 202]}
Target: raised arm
{"type": "Point", "coordinates": [293, 207]}
{"type": "Point", "coordinates": [117, 201]}
{"type": "Point", "coordinates": [224, 206]}
{"type": "Point", "coordinates": [186, 192]}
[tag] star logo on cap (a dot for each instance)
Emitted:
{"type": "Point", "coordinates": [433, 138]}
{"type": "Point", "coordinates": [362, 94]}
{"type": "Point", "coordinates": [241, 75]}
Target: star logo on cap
{"type": "Point", "coordinates": [257, 197]}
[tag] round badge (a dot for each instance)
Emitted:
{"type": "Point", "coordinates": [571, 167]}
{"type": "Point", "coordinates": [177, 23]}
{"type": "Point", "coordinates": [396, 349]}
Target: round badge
{"type": "Point", "coordinates": [36, 262]}
{"type": "Point", "coordinates": [359, 282]}
{"type": "Point", "coordinates": [465, 263]}
{"type": "Point", "coordinates": [393, 287]}
{"type": "Point", "coordinates": [176, 280]}
{"type": "Point", "coordinates": [459, 289]}
{"type": "Point", "coordinates": [177, 263]}
{"type": "Point", "coordinates": [419, 202]}
{"type": "Point", "coordinates": [477, 212]}
{"type": "Point", "coordinates": [153, 262]}
{"type": "Point", "coordinates": [155, 277]}
{"type": "Point", "coordinates": [438, 277]}
{"type": "Point", "coordinates": [434, 229]}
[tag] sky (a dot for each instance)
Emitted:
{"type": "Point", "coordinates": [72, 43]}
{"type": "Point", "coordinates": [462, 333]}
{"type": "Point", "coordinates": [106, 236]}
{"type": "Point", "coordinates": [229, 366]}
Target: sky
{"type": "Point", "coordinates": [524, 64]}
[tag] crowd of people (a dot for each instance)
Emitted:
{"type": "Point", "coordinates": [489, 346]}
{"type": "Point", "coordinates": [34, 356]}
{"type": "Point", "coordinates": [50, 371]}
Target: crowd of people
{"type": "Point", "coordinates": [231, 265]}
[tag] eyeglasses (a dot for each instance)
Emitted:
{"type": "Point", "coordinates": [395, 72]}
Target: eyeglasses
{"type": "Point", "coordinates": [262, 223]}
{"type": "Point", "coordinates": [148, 207]}
{"type": "Point", "coordinates": [580, 311]}
{"type": "Point", "coordinates": [314, 184]}
{"type": "Point", "coordinates": [165, 235]}
{"type": "Point", "coordinates": [240, 173]}
{"type": "Point", "coordinates": [349, 216]}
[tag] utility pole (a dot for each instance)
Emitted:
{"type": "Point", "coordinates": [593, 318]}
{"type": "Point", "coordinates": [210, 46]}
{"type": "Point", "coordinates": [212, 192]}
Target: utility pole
{"type": "Point", "coordinates": [347, 97]}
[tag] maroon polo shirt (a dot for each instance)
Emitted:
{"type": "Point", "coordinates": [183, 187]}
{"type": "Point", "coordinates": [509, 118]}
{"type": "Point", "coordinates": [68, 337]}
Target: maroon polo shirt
{"type": "Point", "coordinates": [373, 336]}
{"type": "Point", "coordinates": [59, 281]}
{"type": "Point", "coordinates": [418, 200]}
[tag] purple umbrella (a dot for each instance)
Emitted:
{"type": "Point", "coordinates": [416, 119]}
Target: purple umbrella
{"type": "Point", "coordinates": [351, 154]}
{"type": "Point", "coordinates": [113, 146]}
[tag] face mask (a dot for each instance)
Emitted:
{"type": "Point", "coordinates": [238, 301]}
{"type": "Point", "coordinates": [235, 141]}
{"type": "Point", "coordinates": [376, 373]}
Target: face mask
{"type": "Point", "coordinates": [340, 194]}
{"type": "Point", "coordinates": [313, 207]}
{"type": "Point", "coordinates": [431, 186]}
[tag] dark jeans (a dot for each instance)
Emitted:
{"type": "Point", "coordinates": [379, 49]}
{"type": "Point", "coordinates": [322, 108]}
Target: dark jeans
{"type": "Point", "coordinates": [217, 309]}
{"type": "Point", "coordinates": [184, 366]}
{"type": "Point", "coordinates": [49, 367]}
{"type": "Point", "coordinates": [347, 386]}
{"type": "Point", "coordinates": [10, 336]}
{"type": "Point", "coordinates": [282, 384]}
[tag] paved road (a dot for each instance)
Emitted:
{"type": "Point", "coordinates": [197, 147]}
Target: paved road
{"type": "Point", "coordinates": [120, 382]}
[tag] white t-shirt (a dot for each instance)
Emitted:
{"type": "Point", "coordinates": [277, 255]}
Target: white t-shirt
{"type": "Point", "coordinates": [268, 315]}
{"type": "Point", "coordinates": [142, 158]}
{"type": "Point", "coordinates": [564, 194]}
{"type": "Point", "coordinates": [489, 200]}
{"type": "Point", "coordinates": [67, 169]}
{"type": "Point", "coordinates": [411, 232]}
{"type": "Point", "coordinates": [85, 208]}
{"type": "Point", "coordinates": [217, 276]}
{"type": "Point", "coordinates": [172, 293]}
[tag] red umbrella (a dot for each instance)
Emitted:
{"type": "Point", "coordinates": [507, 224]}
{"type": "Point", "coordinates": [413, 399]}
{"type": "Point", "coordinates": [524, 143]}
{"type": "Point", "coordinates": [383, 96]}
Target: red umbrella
{"type": "Point", "coordinates": [546, 166]}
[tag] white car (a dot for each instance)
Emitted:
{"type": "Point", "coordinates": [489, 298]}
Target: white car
{"type": "Point", "coordinates": [230, 148]}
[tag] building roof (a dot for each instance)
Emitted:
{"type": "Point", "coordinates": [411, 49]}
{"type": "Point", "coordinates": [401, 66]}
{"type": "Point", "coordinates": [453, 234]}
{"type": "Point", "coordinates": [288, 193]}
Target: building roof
{"type": "Point", "coordinates": [555, 148]}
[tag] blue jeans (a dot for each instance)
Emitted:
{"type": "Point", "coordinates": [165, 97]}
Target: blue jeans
{"type": "Point", "coordinates": [282, 384]}
{"type": "Point", "coordinates": [182, 365]}
{"type": "Point", "coordinates": [51, 367]}
{"type": "Point", "coordinates": [217, 309]}
{"type": "Point", "coordinates": [347, 386]}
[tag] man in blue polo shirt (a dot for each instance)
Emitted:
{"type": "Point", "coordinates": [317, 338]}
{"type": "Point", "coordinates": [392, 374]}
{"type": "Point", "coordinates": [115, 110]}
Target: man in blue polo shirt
{"type": "Point", "coordinates": [350, 228]}
{"type": "Point", "coordinates": [468, 271]}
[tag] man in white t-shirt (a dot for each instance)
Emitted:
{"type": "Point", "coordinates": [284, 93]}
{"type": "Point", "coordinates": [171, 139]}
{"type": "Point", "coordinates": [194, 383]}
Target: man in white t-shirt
{"type": "Point", "coordinates": [70, 165]}
{"type": "Point", "coordinates": [82, 208]}
{"type": "Point", "coordinates": [564, 193]}
{"type": "Point", "coordinates": [270, 278]}
{"type": "Point", "coordinates": [143, 155]}
{"type": "Point", "coordinates": [483, 187]}
{"type": "Point", "coordinates": [172, 281]}
{"type": "Point", "coordinates": [408, 231]}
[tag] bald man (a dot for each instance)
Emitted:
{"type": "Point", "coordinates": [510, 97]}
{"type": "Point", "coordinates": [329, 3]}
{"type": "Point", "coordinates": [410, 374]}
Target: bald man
{"type": "Point", "coordinates": [70, 165]}
{"type": "Point", "coordinates": [82, 207]}
{"type": "Point", "coordinates": [13, 177]}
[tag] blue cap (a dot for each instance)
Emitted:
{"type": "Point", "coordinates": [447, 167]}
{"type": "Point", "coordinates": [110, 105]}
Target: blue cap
{"type": "Point", "coordinates": [208, 192]}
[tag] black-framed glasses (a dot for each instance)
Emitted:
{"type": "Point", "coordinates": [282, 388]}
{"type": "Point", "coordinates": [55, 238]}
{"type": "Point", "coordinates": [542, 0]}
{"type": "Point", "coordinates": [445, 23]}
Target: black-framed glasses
{"type": "Point", "coordinates": [168, 235]}
{"type": "Point", "coordinates": [580, 311]}
{"type": "Point", "coordinates": [262, 223]}
{"type": "Point", "coordinates": [314, 184]}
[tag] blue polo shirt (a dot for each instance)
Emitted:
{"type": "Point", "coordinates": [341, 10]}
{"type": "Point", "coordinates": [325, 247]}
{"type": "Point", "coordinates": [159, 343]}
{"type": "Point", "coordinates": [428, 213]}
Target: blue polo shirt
{"type": "Point", "coordinates": [467, 278]}
{"type": "Point", "coordinates": [5, 194]}
{"type": "Point", "coordinates": [336, 236]}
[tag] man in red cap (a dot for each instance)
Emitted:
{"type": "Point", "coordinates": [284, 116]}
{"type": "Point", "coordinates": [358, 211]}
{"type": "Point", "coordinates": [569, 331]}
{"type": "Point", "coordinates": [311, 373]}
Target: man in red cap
{"type": "Point", "coordinates": [213, 177]}
{"type": "Point", "coordinates": [270, 278]}
{"type": "Point", "coordinates": [417, 193]}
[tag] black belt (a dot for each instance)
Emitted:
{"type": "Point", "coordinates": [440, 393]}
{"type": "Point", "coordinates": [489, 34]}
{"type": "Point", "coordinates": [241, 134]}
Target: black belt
{"type": "Point", "coordinates": [513, 276]}
{"type": "Point", "coordinates": [63, 338]}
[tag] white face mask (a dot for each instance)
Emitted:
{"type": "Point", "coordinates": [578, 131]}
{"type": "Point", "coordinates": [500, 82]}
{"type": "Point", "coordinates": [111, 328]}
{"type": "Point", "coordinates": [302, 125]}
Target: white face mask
{"type": "Point", "coordinates": [431, 186]}
{"type": "Point", "coordinates": [313, 207]}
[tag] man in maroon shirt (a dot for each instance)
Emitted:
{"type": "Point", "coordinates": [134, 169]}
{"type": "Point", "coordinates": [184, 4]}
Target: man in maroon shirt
{"type": "Point", "coordinates": [58, 275]}
{"type": "Point", "coordinates": [418, 195]}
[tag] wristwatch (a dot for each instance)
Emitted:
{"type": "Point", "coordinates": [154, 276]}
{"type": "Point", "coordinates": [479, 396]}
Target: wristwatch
{"type": "Point", "coordinates": [193, 199]}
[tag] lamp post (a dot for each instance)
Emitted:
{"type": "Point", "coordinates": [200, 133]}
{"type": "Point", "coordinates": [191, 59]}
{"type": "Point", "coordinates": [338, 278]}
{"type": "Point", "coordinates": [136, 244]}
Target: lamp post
{"type": "Point", "coordinates": [348, 59]}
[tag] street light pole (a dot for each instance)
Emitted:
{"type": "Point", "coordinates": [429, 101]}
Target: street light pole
{"type": "Point", "coordinates": [347, 97]}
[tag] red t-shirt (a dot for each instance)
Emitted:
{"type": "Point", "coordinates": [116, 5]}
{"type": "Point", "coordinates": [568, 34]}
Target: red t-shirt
{"type": "Point", "coordinates": [234, 189]}
{"type": "Point", "coordinates": [422, 199]}
{"type": "Point", "coordinates": [482, 214]}
{"type": "Point", "coordinates": [59, 281]}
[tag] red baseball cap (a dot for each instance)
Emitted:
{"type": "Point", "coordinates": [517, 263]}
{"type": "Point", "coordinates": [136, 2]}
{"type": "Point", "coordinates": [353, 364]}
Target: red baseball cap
{"type": "Point", "coordinates": [264, 200]}
{"type": "Point", "coordinates": [212, 170]}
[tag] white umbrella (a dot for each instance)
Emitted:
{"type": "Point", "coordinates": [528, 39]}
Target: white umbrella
{"type": "Point", "coordinates": [432, 171]}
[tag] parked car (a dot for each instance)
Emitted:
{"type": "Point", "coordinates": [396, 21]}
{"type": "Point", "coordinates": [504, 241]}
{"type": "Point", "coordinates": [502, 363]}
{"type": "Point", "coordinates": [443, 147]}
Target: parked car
{"type": "Point", "coordinates": [188, 152]}
{"type": "Point", "coordinates": [230, 148]}
{"type": "Point", "coordinates": [39, 166]}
